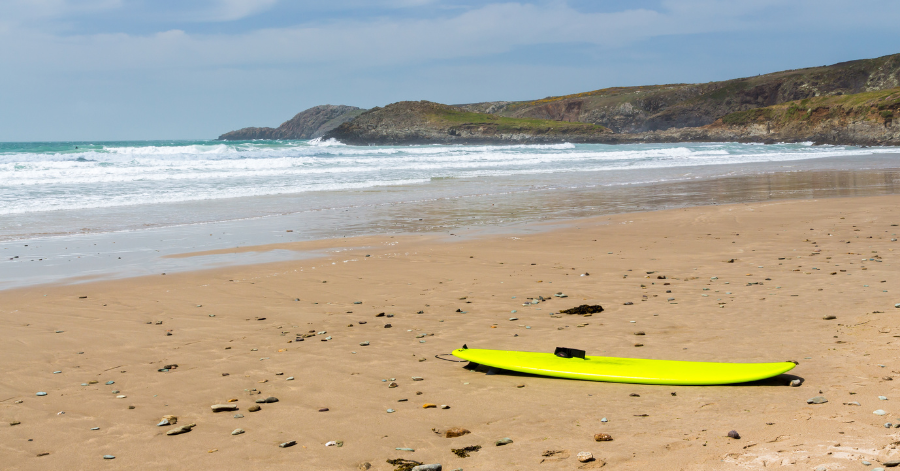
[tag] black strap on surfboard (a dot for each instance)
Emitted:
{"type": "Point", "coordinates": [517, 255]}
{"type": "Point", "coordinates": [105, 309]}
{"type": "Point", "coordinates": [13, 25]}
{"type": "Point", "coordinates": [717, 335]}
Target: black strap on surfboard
{"type": "Point", "coordinates": [564, 352]}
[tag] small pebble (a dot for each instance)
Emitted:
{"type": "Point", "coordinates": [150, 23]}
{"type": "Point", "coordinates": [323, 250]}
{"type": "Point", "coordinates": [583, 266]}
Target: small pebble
{"type": "Point", "coordinates": [817, 400]}
{"type": "Point", "coordinates": [288, 444]}
{"type": "Point", "coordinates": [883, 398]}
{"type": "Point", "coordinates": [109, 457]}
{"type": "Point", "coordinates": [237, 431]}
{"type": "Point", "coordinates": [503, 441]}
{"type": "Point", "coordinates": [254, 408]}
{"type": "Point", "coordinates": [41, 394]}
{"type": "Point", "coordinates": [733, 434]}
{"type": "Point", "coordinates": [363, 344]}
{"type": "Point", "coordinates": [95, 428]}
{"type": "Point", "coordinates": [795, 383]}
{"type": "Point", "coordinates": [404, 449]}
{"type": "Point", "coordinates": [390, 411]}
{"type": "Point", "coordinates": [585, 456]}
{"type": "Point", "coordinates": [238, 416]}
{"type": "Point", "coordinates": [431, 467]}
{"type": "Point", "coordinates": [183, 429]}
{"type": "Point", "coordinates": [604, 420]}
{"type": "Point", "coordinates": [603, 437]}
{"type": "Point", "coordinates": [880, 412]}
{"type": "Point", "coordinates": [289, 378]}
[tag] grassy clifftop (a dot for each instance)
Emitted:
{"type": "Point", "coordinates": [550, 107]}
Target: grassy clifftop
{"type": "Point", "coordinates": [422, 122]}
{"type": "Point", "coordinates": [660, 107]}
{"type": "Point", "coordinates": [880, 107]}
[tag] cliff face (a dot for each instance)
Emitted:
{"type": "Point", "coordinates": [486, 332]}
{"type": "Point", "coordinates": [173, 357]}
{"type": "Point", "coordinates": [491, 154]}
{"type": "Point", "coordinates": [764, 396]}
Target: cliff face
{"type": "Point", "coordinates": [309, 124]}
{"type": "Point", "coordinates": [423, 122]}
{"type": "Point", "coordinates": [661, 107]}
{"type": "Point", "coordinates": [861, 119]}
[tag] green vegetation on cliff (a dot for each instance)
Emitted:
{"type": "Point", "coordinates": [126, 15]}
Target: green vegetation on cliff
{"type": "Point", "coordinates": [451, 118]}
{"type": "Point", "coordinates": [877, 106]}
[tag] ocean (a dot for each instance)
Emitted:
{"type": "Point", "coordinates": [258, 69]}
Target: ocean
{"type": "Point", "coordinates": [158, 197]}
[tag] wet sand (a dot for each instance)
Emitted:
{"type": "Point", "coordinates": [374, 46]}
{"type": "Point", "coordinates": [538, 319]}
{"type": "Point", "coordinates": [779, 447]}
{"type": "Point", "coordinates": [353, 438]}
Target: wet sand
{"type": "Point", "coordinates": [749, 283]}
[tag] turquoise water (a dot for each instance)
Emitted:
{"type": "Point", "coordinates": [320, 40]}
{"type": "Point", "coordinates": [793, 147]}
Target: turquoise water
{"type": "Point", "coordinates": [108, 209]}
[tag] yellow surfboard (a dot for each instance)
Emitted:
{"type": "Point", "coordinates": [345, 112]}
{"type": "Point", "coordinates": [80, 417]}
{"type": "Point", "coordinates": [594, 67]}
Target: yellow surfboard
{"type": "Point", "coordinates": [623, 370]}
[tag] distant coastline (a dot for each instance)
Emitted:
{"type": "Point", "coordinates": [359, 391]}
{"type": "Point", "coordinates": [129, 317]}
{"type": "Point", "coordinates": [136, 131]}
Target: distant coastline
{"type": "Point", "coordinates": [850, 103]}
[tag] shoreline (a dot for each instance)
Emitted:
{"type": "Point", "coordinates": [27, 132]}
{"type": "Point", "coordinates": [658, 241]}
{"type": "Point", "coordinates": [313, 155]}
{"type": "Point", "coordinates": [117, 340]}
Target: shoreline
{"type": "Point", "coordinates": [518, 205]}
{"type": "Point", "coordinates": [232, 319]}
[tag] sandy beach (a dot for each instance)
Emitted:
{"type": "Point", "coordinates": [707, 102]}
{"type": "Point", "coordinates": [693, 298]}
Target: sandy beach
{"type": "Point", "coordinates": [732, 283]}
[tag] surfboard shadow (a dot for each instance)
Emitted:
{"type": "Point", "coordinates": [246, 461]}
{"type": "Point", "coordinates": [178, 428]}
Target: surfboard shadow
{"type": "Point", "coordinates": [782, 380]}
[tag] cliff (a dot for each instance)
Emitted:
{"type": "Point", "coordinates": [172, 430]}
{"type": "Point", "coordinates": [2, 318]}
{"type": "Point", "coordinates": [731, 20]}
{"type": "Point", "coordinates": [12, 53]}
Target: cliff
{"type": "Point", "coordinates": [309, 124]}
{"type": "Point", "coordinates": [860, 119]}
{"type": "Point", "coordinates": [424, 122]}
{"type": "Point", "coordinates": [661, 107]}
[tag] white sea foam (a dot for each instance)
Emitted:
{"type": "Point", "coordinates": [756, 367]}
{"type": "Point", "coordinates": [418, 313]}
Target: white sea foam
{"type": "Point", "coordinates": [122, 174]}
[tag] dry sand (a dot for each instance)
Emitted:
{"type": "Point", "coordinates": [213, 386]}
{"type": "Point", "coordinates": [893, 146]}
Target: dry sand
{"type": "Point", "coordinates": [793, 263]}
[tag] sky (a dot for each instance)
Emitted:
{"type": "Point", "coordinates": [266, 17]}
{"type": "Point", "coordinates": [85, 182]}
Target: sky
{"type": "Point", "coordinates": [89, 70]}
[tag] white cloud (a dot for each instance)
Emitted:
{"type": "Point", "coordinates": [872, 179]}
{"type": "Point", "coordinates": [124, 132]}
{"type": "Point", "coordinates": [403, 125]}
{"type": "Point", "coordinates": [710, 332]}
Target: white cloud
{"type": "Point", "coordinates": [384, 41]}
{"type": "Point", "coordinates": [230, 10]}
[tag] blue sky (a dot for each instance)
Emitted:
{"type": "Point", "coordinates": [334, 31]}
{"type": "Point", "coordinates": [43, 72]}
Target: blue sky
{"type": "Point", "coordinates": [168, 69]}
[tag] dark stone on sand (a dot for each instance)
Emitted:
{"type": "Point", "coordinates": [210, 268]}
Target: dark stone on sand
{"type": "Point", "coordinates": [253, 408]}
{"type": "Point", "coordinates": [733, 434]}
{"type": "Point", "coordinates": [288, 444]}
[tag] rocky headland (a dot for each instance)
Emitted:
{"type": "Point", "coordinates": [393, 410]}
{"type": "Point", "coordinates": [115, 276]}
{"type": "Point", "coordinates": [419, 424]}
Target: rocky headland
{"type": "Point", "coordinates": [424, 122]}
{"type": "Point", "coordinates": [309, 124]}
{"type": "Point", "coordinates": [851, 103]}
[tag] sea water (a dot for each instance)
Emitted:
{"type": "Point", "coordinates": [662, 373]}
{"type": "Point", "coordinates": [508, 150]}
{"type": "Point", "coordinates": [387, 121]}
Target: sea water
{"type": "Point", "coordinates": [160, 197]}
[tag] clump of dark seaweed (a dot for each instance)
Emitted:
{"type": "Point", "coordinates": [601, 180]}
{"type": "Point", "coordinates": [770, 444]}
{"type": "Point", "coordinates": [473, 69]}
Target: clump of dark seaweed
{"type": "Point", "coordinates": [583, 309]}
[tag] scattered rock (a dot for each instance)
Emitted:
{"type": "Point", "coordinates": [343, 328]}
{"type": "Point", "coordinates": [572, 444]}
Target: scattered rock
{"type": "Point", "coordinates": [223, 407]}
{"type": "Point", "coordinates": [795, 383]}
{"type": "Point", "coordinates": [167, 420]}
{"type": "Point", "coordinates": [323, 409]}
{"type": "Point", "coordinates": [237, 431]}
{"type": "Point", "coordinates": [816, 400]}
{"type": "Point", "coordinates": [179, 430]}
{"type": "Point", "coordinates": [254, 408]}
{"type": "Point", "coordinates": [428, 467]}
{"type": "Point", "coordinates": [880, 412]}
{"type": "Point", "coordinates": [41, 394]}
{"type": "Point", "coordinates": [733, 434]}
{"type": "Point", "coordinates": [455, 432]}
{"type": "Point", "coordinates": [503, 441]}
{"type": "Point", "coordinates": [585, 456]}
{"type": "Point", "coordinates": [364, 344]}
{"type": "Point", "coordinates": [106, 457]}
{"type": "Point", "coordinates": [429, 406]}
{"type": "Point", "coordinates": [288, 444]}
{"type": "Point", "coordinates": [603, 437]}
{"type": "Point", "coordinates": [828, 318]}
{"type": "Point", "coordinates": [267, 400]}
